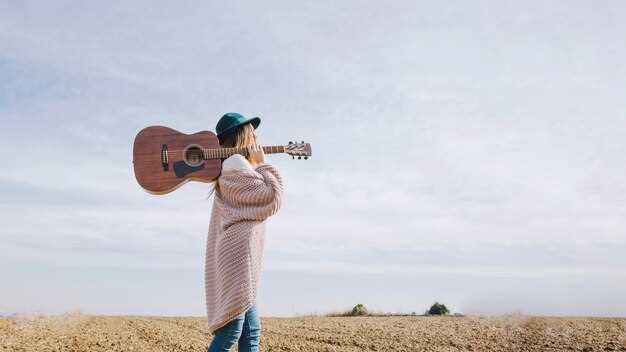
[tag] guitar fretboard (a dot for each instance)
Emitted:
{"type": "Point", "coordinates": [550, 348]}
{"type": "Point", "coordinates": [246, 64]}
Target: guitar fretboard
{"type": "Point", "coordinates": [221, 153]}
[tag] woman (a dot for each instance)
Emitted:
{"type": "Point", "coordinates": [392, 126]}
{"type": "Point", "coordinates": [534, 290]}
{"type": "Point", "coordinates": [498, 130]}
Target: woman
{"type": "Point", "coordinates": [247, 192]}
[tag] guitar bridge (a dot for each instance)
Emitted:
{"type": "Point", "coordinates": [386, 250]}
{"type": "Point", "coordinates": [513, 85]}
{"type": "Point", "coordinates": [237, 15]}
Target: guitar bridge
{"type": "Point", "coordinates": [164, 157]}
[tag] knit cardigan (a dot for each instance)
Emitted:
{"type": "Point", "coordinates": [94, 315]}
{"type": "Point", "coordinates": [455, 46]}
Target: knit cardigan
{"type": "Point", "coordinates": [236, 238]}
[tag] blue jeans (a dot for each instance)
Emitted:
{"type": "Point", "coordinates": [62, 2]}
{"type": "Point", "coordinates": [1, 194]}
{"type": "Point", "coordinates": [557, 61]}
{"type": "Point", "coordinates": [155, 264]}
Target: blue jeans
{"type": "Point", "coordinates": [244, 329]}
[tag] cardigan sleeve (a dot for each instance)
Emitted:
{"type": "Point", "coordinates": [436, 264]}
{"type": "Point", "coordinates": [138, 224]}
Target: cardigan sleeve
{"type": "Point", "coordinates": [253, 194]}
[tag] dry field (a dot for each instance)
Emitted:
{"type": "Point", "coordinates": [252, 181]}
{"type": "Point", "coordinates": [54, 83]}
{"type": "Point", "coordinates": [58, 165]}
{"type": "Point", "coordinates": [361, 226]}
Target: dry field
{"type": "Point", "coordinates": [78, 332]}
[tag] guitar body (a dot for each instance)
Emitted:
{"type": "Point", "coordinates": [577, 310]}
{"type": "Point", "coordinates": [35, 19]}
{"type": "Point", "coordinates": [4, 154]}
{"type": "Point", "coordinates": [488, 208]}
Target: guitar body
{"type": "Point", "coordinates": [165, 159]}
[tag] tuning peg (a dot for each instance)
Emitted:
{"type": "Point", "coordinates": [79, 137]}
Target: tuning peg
{"type": "Point", "coordinates": [290, 142]}
{"type": "Point", "coordinates": [305, 158]}
{"type": "Point", "coordinates": [302, 142]}
{"type": "Point", "coordinates": [293, 157]}
{"type": "Point", "coordinates": [299, 157]}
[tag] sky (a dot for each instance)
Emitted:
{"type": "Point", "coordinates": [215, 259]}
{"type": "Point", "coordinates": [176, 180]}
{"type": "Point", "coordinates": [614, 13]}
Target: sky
{"type": "Point", "coordinates": [470, 153]}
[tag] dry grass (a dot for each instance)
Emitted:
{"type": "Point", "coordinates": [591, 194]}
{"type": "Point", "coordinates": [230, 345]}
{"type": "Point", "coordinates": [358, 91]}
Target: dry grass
{"type": "Point", "coordinates": [515, 332]}
{"type": "Point", "coordinates": [348, 313]}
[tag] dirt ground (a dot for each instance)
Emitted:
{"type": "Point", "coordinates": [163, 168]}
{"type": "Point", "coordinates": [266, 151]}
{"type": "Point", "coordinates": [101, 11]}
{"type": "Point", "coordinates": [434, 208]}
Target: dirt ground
{"type": "Point", "coordinates": [79, 332]}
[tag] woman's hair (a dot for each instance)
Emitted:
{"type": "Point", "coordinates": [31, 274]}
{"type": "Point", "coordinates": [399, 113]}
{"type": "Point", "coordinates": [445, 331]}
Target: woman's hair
{"type": "Point", "coordinates": [242, 136]}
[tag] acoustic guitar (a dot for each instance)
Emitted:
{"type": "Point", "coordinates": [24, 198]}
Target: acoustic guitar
{"type": "Point", "coordinates": [165, 159]}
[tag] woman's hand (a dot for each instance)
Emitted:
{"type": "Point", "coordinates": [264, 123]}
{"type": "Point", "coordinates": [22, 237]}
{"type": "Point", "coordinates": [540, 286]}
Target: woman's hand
{"type": "Point", "coordinates": [256, 154]}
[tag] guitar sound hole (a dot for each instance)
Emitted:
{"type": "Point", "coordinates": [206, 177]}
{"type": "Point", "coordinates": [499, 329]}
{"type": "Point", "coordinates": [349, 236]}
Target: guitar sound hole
{"type": "Point", "coordinates": [193, 156]}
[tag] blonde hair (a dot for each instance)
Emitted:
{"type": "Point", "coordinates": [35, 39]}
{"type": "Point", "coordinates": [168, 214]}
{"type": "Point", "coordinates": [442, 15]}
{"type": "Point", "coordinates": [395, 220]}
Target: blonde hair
{"type": "Point", "coordinates": [242, 136]}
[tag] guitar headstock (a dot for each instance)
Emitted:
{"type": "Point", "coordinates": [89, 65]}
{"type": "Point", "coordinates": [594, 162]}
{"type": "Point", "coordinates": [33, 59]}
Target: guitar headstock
{"type": "Point", "coordinates": [298, 149]}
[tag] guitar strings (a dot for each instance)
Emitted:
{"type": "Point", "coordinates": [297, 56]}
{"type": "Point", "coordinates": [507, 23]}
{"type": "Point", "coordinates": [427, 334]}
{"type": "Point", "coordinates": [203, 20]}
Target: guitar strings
{"type": "Point", "coordinates": [178, 150]}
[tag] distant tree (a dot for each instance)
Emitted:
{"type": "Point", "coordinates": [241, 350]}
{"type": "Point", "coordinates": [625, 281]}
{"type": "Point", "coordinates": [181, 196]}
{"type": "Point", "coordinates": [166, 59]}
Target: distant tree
{"type": "Point", "coordinates": [359, 309]}
{"type": "Point", "coordinates": [438, 309]}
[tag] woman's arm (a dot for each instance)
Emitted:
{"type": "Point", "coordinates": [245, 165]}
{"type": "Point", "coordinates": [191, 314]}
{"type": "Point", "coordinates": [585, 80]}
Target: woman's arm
{"type": "Point", "coordinates": [254, 194]}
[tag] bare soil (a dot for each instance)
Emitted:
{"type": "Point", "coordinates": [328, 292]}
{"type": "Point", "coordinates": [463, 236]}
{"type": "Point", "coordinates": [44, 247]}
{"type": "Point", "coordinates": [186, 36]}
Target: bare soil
{"type": "Point", "coordinates": [80, 332]}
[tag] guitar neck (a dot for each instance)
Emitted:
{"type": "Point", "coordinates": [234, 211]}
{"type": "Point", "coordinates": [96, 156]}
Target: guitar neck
{"type": "Point", "coordinates": [221, 153]}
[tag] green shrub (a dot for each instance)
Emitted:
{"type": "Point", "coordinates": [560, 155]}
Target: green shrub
{"type": "Point", "coordinates": [359, 309]}
{"type": "Point", "coordinates": [438, 309]}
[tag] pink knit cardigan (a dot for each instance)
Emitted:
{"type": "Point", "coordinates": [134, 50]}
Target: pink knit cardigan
{"type": "Point", "coordinates": [235, 241]}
